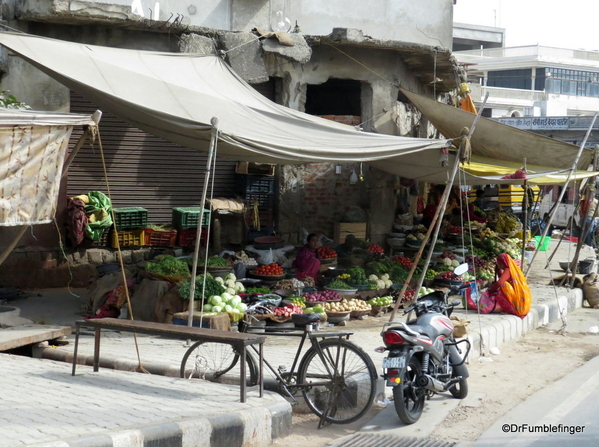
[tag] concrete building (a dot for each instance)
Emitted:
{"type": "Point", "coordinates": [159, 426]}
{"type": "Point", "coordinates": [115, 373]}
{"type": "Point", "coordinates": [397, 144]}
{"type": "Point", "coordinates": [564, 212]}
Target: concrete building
{"type": "Point", "coordinates": [347, 61]}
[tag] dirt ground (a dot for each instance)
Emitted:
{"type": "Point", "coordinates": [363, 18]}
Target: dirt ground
{"type": "Point", "coordinates": [520, 369]}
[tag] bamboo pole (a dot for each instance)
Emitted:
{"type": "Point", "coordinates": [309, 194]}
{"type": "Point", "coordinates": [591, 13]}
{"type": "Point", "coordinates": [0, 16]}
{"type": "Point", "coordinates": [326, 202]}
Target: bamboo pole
{"type": "Point", "coordinates": [525, 212]}
{"type": "Point", "coordinates": [437, 224]}
{"type": "Point", "coordinates": [192, 288]}
{"type": "Point", "coordinates": [561, 196]}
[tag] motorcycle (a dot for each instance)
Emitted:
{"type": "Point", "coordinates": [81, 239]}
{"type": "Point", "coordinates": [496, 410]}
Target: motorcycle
{"type": "Point", "coordinates": [424, 359]}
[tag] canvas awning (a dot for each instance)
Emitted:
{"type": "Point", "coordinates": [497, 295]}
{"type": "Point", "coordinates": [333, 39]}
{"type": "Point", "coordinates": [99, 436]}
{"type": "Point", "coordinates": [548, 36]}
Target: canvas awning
{"type": "Point", "coordinates": [33, 146]}
{"type": "Point", "coordinates": [175, 96]}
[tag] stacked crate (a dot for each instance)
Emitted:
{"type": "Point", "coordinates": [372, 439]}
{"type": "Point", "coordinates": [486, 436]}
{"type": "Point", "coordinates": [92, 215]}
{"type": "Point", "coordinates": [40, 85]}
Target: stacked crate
{"type": "Point", "coordinates": [130, 223]}
{"type": "Point", "coordinates": [186, 221]}
{"type": "Point", "coordinates": [260, 189]}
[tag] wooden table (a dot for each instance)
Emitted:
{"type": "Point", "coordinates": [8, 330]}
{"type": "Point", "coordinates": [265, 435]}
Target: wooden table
{"type": "Point", "coordinates": [238, 341]}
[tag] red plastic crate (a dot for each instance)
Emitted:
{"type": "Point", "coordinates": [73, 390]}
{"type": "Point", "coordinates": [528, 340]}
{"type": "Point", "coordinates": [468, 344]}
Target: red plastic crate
{"type": "Point", "coordinates": [187, 238]}
{"type": "Point", "coordinates": [155, 238]}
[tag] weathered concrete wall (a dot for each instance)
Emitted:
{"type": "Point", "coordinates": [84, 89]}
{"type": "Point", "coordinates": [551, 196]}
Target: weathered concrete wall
{"type": "Point", "coordinates": [320, 198]}
{"type": "Point", "coordinates": [427, 22]}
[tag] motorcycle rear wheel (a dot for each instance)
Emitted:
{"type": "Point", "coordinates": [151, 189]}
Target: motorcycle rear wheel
{"type": "Point", "coordinates": [460, 389]}
{"type": "Point", "coordinates": [408, 397]}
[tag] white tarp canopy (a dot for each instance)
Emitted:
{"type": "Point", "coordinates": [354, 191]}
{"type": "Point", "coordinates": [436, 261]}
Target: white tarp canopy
{"type": "Point", "coordinates": [175, 96]}
{"type": "Point", "coordinates": [33, 146]}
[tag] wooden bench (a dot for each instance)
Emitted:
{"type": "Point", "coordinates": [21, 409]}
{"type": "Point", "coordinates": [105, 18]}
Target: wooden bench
{"type": "Point", "coordinates": [238, 341]}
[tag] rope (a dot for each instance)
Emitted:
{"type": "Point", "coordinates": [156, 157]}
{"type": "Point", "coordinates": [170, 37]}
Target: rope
{"type": "Point", "coordinates": [61, 245]}
{"type": "Point", "coordinates": [140, 367]}
{"type": "Point", "coordinates": [224, 52]}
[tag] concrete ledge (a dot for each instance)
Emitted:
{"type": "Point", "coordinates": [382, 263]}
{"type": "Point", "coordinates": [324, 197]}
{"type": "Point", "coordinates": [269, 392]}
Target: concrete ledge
{"type": "Point", "coordinates": [510, 327]}
{"type": "Point", "coordinates": [255, 427]}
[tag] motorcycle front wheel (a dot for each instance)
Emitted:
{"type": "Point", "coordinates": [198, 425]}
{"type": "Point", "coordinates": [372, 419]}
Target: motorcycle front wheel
{"type": "Point", "coordinates": [408, 397]}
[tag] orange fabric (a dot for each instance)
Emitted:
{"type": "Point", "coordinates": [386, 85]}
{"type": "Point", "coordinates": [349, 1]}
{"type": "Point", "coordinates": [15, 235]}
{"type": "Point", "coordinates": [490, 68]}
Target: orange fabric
{"type": "Point", "coordinates": [516, 288]}
{"type": "Point", "coordinates": [468, 105]}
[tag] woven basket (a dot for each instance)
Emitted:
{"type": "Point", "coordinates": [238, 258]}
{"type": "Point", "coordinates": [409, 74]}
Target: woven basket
{"type": "Point", "coordinates": [378, 310]}
{"type": "Point", "coordinates": [338, 314]}
{"type": "Point", "coordinates": [358, 313]}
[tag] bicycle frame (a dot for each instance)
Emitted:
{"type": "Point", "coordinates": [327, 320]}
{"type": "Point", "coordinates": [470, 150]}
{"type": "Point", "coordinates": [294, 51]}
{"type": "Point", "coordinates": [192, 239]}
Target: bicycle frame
{"type": "Point", "coordinates": [306, 332]}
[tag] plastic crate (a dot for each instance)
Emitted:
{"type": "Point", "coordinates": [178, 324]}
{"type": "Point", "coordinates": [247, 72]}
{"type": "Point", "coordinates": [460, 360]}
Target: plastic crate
{"type": "Point", "coordinates": [187, 238]}
{"type": "Point", "coordinates": [265, 201]}
{"type": "Point", "coordinates": [255, 184]}
{"type": "Point", "coordinates": [187, 217]}
{"type": "Point", "coordinates": [104, 241]}
{"type": "Point", "coordinates": [131, 218]}
{"type": "Point", "coordinates": [128, 238]}
{"type": "Point", "coordinates": [156, 238]}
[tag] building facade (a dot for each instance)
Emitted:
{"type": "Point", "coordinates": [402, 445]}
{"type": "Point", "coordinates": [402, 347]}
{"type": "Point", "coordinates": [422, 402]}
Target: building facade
{"type": "Point", "coordinates": [346, 64]}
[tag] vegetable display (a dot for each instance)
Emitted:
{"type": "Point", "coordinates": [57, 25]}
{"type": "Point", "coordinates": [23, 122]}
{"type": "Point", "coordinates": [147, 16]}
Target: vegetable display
{"type": "Point", "coordinates": [326, 253]}
{"type": "Point", "coordinates": [403, 261]}
{"type": "Point", "coordinates": [380, 301]}
{"type": "Point", "coordinates": [231, 285]}
{"type": "Point", "coordinates": [326, 295]}
{"type": "Point", "coordinates": [217, 261]}
{"type": "Point", "coordinates": [213, 287]}
{"type": "Point", "coordinates": [339, 284]}
{"type": "Point", "coordinates": [273, 269]}
{"type": "Point", "coordinates": [357, 276]}
{"type": "Point", "coordinates": [257, 290]}
{"type": "Point", "coordinates": [225, 303]}
{"type": "Point", "coordinates": [376, 248]}
{"type": "Point", "coordinates": [167, 265]}
{"type": "Point", "coordinates": [288, 310]}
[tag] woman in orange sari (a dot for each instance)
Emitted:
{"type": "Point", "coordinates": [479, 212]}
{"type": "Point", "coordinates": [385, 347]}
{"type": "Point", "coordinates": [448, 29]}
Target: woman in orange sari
{"type": "Point", "coordinates": [510, 291]}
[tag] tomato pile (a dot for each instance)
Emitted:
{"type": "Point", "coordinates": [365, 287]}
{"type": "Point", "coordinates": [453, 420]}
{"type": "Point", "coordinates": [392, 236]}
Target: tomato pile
{"type": "Point", "coordinates": [273, 269]}
{"type": "Point", "coordinates": [326, 253]}
{"type": "Point", "coordinates": [403, 260]}
{"type": "Point", "coordinates": [376, 248]}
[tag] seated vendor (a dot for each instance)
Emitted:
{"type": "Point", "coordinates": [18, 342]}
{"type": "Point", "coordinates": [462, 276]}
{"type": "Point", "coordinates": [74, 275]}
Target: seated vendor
{"type": "Point", "coordinates": [347, 247]}
{"type": "Point", "coordinates": [306, 262]}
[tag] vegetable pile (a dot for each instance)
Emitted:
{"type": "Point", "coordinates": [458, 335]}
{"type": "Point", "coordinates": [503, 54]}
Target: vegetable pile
{"type": "Point", "coordinates": [357, 276]}
{"type": "Point", "coordinates": [225, 303]}
{"type": "Point", "coordinates": [403, 260]}
{"type": "Point", "coordinates": [273, 269]}
{"type": "Point", "coordinates": [339, 284]}
{"type": "Point", "coordinates": [213, 287]}
{"type": "Point", "coordinates": [326, 253]}
{"type": "Point", "coordinates": [326, 295]}
{"type": "Point", "coordinates": [375, 248]}
{"type": "Point", "coordinates": [380, 301]}
{"type": "Point", "coordinates": [217, 261]}
{"type": "Point", "coordinates": [167, 265]}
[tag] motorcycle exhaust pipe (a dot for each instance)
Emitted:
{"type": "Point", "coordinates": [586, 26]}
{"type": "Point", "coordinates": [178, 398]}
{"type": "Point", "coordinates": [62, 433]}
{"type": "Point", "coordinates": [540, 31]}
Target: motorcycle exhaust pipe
{"type": "Point", "coordinates": [426, 381]}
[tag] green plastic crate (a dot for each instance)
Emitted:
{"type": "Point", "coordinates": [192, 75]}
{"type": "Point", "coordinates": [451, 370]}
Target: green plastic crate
{"type": "Point", "coordinates": [187, 217]}
{"type": "Point", "coordinates": [131, 218]}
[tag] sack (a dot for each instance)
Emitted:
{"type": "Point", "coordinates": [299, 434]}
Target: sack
{"type": "Point", "coordinates": [487, 302]}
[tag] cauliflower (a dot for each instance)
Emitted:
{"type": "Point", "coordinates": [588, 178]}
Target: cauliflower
{"type": "Point", "coordinates": [385, 277]}
{"type": "Point", "coordinates": [447, 262]}
{"type": "Point", "coordinates": [229, 283]}
{"type": "Point", "coordinates": [239, 287]}
{"type": "Point", "coordinates": [388, 283]}
{"type": "Point", "coordinates": [455, 263]}
{"type": "Point", "coordinates": [380, 284]}
{"type": "Point", "coordinates": [373, 278]}
{"type": "Point", "coordinates": [220, 280]}
{"type": "Point", "coordinates": [230, 291]}
{"type": "Point", "coordinates": [230, 276]}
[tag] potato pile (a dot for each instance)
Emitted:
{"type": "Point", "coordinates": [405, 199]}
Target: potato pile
{"type": "Point", "coordinates": [346, 306]}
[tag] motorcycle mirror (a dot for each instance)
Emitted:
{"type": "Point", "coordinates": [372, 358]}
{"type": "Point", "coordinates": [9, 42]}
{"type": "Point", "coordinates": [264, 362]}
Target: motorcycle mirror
{"type": "Point", "coordinates": [461, 269]}
{"type": "Point", "coordinates": [455, 303]}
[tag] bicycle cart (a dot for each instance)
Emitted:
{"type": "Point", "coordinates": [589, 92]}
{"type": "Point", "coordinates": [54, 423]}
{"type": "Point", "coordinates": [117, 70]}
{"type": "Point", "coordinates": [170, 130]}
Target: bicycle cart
{"type": "Point", "coordinates": [337, 379]}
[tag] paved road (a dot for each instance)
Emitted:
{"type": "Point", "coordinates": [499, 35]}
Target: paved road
{"type": "Point", "coordinates": [562, 414]}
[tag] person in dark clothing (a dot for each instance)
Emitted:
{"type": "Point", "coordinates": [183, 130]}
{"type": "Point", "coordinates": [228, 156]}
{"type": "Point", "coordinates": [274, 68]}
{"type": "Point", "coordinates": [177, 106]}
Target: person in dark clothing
{"type": "Point", "coordinates": [479, 202]}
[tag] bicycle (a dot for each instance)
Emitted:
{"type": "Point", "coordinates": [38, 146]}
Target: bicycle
{"type": "Point", "coordinates": [337, 378]}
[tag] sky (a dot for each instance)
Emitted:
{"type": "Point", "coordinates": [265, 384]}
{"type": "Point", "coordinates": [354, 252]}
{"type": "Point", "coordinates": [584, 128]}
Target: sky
{"type": "Point", "coordinates": [570, 24]}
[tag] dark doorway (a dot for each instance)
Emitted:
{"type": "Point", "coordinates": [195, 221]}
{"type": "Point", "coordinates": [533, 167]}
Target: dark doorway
{"type": "Point", "coordinates": [334, 97]}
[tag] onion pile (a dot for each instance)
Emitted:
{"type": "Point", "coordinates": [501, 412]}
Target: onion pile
{"type": "Point", "coordinates": [326, 295]}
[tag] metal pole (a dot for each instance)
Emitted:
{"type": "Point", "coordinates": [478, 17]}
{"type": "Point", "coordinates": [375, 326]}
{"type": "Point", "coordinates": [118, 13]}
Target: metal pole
{"type": "Point", "coordinates": [192, 288]}
{"type": "Point", "coordinates": [561, 196]}
{"type": "Point", "coordinates": [525, 211]}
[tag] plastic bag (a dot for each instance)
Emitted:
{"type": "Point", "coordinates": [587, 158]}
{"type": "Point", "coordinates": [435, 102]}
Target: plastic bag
{"type": "Point", "coordinates": [277, 255]}
{"type": "Point", "coordinates": [267, 258]}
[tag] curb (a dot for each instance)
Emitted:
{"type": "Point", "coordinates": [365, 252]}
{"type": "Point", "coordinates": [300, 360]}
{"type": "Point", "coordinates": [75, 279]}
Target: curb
{"type": "Point", "coordinates": [510, 327]}
{"type": "Point", "coordinates": [255, 427]}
